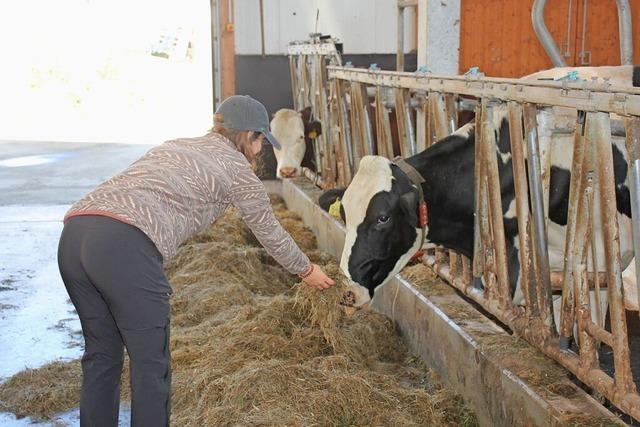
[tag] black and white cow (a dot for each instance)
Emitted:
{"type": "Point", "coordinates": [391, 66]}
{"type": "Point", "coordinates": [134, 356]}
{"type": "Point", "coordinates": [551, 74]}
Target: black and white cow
{"type": "Point", "coordinates": [295, 131]}
{"type": "Point", "coordinates": [380, 205]}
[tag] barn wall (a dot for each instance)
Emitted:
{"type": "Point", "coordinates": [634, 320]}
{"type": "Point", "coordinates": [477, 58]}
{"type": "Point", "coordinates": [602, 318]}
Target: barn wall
{"type": "Point", "coordinates": [364, 26]}
{"type": "Point", "coordinates": [367, 29]}
{"type": "Point", "coordinates": [497, 35]}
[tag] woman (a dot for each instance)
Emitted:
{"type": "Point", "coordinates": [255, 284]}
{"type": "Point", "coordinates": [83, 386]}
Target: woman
{"type": "Point", "coordinates": [116, 239]}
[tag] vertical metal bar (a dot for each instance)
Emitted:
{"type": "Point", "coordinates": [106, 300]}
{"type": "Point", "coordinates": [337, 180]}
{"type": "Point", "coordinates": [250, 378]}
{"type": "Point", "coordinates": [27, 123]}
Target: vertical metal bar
{"type": "Point", "coordinates": [294, 82]}
{"type": "Point", "coordinates": [439, 114]}
{"type": "Point", "coordinates": [322, 113]}
{"type": "Point", "coordinates": [575, 193]}
{"type": "Point", "coordinates": [594, 258]}
{"type": "Point", "coordinates": [452, 113]}
{"type": "Point", "coordinates": [400, 40]}
{"type": "Point", "coordinates": [403, 118]}
{"type": "Point", "coordinates": [495, 205]}
{"type": "Point", "coordinates": [632, 126]}
{"type": "Point", "coordinates": [540, 248]}
{"type": "Point", "coordinates": [522, 205]}
{"type": "Point", "coordinates": [333, 127]}
{"type": "Point", "coordinates": [356, 127]}
{"type": "Point", "coordinates": [367, 127]}
{"type": "Point", "coordinates": [383, 126]}
{"type": "Point", "coordinates": [345, 131]}
{"type": "Point", "coordinates": [609, 215]}
{"type": "Point", "coordinates": [422, 124]}
{"type": "Point", "coordinates": [478, 252]}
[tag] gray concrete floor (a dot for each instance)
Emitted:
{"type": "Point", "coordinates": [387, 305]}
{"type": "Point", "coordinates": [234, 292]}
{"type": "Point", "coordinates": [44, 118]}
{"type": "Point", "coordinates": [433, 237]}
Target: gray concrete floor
{"type": "Point", "coordinates": [58, 172]}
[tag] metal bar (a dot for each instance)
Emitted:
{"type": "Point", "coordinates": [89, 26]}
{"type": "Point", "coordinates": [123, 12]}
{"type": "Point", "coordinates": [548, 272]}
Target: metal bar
{"type": "Point", "coordinates": [608, 212]}
{"type": "Point", "coordinates": [294, 82]}
{"type": "Point", "coordinates": [599, 333]}
{"type": "Point", "coordinates": [586, 96]}
{"type": "Point", "coordinates": [478, 255]}
{"type": "Point", "coordinates": [356, 127]}
{"type": "Point", "coordinates": [400, 39]}
{"type": "Point", "coordinates": [545, 37]}
{"type": "Point", "coordinates": [575, 193]}
{"type": "Point", "coordinates": [489, 145]}
{"type": "Point", "coordinates": [262, 47]}
{"type": "Point", "coordinates": [530, 330]}
{"type": "Point", "coordinates": [633, 154]}
{"type": "Point", "coordinates": [345, 131]}
{"type": "Point", "coordinates": [540, 248]}
{"type": "Point", "coordinates": [527, 284]}
{"type": "Point", "coordinates": [626, 33]}
{"type": "Point", "coordinates": [337, 140]}
{"type": "Point", "coordinates": [383, 126]}
{"type": "Point", "coordinates": [422, 125]}
{"type": "Point", "coordinates": [367, 127]}
{"type": "Point", "coordinates": [402, 117]}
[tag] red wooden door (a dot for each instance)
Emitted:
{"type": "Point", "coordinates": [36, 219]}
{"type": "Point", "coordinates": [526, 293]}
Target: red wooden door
{"type": "Point", "coordinates": [498, 37]}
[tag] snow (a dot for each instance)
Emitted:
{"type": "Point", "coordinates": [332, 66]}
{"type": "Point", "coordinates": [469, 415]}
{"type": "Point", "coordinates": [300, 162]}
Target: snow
{"type": "Point", "coordinates": [38, 323]}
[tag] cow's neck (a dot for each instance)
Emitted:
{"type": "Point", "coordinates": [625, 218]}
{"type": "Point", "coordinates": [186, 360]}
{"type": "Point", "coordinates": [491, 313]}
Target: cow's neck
{"type": "Point", "coordinates": [447, 168]}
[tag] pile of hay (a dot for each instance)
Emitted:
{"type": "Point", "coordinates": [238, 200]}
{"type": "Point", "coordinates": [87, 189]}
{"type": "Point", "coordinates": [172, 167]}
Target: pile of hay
{"type": "Point", "coordinates": [251, 346]}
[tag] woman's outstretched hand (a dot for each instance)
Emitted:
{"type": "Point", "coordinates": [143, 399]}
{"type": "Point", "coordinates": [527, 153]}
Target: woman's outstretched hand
{"type": "Point", "coordinates": [318, 279]}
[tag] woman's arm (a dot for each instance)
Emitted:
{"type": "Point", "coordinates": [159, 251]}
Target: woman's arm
{"type": "Point", "coordinates": [249, 196]}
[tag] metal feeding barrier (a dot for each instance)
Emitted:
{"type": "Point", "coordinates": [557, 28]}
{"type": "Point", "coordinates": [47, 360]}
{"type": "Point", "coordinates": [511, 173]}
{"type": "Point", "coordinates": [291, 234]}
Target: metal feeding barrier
{"type": "Point", "coordinates": [369, 111]}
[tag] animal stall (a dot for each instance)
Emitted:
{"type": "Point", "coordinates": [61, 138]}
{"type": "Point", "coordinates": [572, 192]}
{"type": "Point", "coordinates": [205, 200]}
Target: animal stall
{"type": "Point", "coordinates": [356, 107]}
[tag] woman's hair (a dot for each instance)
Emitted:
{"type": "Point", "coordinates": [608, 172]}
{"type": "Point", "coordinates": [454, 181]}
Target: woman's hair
{"type": "Point", "coordinates": [242, 139]}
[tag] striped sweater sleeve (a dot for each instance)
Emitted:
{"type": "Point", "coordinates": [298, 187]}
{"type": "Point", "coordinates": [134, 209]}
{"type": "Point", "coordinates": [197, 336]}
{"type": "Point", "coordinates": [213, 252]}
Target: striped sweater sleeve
{"type": "Point", "coordinates": [249, 196]}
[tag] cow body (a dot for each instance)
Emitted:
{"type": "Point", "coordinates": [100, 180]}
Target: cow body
{"type": "Point", "coordinates": [380, 204]}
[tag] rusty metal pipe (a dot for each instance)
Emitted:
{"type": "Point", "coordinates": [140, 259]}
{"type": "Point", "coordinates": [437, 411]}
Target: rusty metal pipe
{"type": "Point", "coordinates": [608, 212]}
{"type": "Point", "coordinates": [633, 154]}
{"type": "Point", "coordinates": [540, 246]}
{"type": "Point", "coordinates": [575, 194]}
{"type": "Point", "coordinates": [522, 201]}
{"type": "Point", "coordinates": [488, 144]}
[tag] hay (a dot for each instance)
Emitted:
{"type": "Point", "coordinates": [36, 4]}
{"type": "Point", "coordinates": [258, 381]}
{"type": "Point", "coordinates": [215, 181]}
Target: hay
{"type": "Point", "coordinates": [49, 390]}
{"type": "Point", "coordinates": [252, 346]}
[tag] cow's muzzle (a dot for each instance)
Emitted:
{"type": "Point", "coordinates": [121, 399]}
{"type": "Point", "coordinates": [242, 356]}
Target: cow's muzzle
{"type": "Point", "coordinates": [288, 172]}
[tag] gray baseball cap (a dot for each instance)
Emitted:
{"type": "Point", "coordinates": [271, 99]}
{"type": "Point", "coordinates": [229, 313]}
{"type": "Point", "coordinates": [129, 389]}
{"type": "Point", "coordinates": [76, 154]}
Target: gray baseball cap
{"type": "Point", "coordinates": [242, 112]}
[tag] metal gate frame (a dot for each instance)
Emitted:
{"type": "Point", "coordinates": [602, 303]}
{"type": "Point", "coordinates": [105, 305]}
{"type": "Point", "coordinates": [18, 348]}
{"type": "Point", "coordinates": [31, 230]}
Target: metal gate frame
{"type": "Point", "coordinates": [359, 102]}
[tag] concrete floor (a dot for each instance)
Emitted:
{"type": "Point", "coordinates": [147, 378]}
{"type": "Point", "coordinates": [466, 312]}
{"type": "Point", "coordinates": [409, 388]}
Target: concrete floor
{"type": "Point", "coordinates": [38, 183]}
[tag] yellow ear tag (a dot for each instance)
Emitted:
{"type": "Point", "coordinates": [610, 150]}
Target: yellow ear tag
{"type": "Point", "coordinates": [334, 209]}
{"type": "Point", "coordinates": [313, 134]}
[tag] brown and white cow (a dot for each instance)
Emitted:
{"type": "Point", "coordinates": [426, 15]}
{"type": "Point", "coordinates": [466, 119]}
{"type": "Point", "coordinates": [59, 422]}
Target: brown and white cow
{"type": "Point", "coordinates": [295, 131]}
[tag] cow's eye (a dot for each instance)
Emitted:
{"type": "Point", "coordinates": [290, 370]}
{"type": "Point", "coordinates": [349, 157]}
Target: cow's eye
{"type": "Point", "coordinates": [383, 219]}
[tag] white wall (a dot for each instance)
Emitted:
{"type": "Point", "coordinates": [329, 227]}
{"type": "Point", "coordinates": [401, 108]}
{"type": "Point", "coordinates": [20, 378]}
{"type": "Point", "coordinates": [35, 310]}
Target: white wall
{"type": "Point", "coordinates": [364, 26]}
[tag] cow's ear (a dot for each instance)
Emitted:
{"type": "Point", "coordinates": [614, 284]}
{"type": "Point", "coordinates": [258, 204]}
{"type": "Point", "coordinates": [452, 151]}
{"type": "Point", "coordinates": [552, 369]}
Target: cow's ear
{"type": "Point", "coordinates": [409, 205]}
{"type": "Point", "coordinates": [329, 197]}
{"type": "Point", "coordinates": [314, 129]}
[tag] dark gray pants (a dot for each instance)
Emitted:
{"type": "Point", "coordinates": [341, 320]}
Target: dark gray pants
{"type": "Point", "coordinates": [115, 278]}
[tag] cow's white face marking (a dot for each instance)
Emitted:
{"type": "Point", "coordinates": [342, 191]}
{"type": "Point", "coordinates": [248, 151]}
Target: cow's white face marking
{"type": "Point", "coordinates": [374, 176]}
{"type": "Point", "coordinates": [288, 128]}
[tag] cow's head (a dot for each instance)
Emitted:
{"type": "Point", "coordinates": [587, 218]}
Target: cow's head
{"type": "Point", "coordinates": [380, 209]}
{"type": "Point", "coordinates": [294, 130]}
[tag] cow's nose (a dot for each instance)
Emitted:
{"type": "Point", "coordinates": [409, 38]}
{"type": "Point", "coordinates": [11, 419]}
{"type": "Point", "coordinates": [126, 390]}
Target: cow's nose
{"type": "Point", "coordinates": [288, 172]}
{"type": "Point", "coordinates": [348, 299]}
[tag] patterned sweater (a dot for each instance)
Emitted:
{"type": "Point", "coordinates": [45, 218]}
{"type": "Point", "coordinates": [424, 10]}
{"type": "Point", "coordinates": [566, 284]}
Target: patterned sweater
{"type": "Point", "coordinates": [180, 187]}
